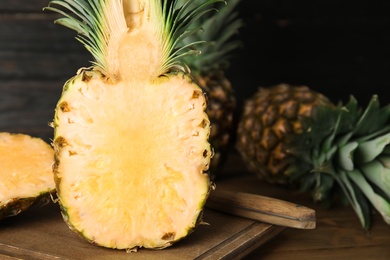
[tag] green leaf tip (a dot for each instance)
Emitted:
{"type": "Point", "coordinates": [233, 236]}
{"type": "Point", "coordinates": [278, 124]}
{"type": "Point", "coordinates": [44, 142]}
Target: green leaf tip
{"type": "Point", "coordinates": [89, 20]}
{"type": "Point", "coordinates": [217, 30]}
{"type": "Point", "coordinates": [178, 21]}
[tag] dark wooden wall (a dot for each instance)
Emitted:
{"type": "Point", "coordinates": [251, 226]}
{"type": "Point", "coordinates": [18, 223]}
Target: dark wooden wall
{"type": "Point", "coordinates": [36, 57]}
{"type": "Point", "coordinates": [336, 47]}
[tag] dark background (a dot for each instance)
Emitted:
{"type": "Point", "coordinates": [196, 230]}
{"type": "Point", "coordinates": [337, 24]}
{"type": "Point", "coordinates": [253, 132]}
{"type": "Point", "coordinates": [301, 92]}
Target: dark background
{"type": "Point", "coordinates": [335, 47]}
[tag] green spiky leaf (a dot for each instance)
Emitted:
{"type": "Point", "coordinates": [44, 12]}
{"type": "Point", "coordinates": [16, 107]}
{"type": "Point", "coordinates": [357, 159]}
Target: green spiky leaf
{"type": "Point", "coordinates": [88, 19]}
{"type": "Point", "coordinates": [217, 30]}
{"type": "Point", "coordinates": [100, 25]}
{"type": "Point", "coordinates": [345, 143]}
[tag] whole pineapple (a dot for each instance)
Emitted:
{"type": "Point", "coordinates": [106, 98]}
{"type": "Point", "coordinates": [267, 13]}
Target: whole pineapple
{"type": "Point", "coordinates": [217, 30]}
{"type": "Point", "coordinates": [269, 117]}
{"type": "Point", "coordinates": [26, 173]}
{"type": "Point", "coordinates": [293, 135]}
{"type": "Point", "coordinates": [131, 132]}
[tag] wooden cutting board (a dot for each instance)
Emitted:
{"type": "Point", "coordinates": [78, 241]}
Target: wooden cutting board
{"type": "Point", "coordinates": [40, 233]}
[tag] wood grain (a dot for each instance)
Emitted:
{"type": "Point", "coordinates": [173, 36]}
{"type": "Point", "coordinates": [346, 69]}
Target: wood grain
{"type": "Point", "coordinates": [36, 58]}
{"type": "Point", "coordinates": [262, 208]}
{"type": "Point", "coordinates": [28, 107]}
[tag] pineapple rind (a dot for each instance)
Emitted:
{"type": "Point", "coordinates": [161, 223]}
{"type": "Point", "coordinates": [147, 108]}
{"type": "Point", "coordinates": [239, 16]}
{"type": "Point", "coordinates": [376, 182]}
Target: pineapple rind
{"type": "Point", "coordinates": [217, 31]}
{"type": "Point", "coordinates": [17, 205]}
{"type": "Point", "coordinates": [221, 106]}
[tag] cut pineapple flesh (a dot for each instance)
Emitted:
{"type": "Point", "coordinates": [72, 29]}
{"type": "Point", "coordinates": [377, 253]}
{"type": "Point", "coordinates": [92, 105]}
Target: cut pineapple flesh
{"type": "Point", "coordinates": [131, 132]}
{"type": "Point", "coordinates": [26, 172]}
{"type": "Point", "coordinates": [132, 174]}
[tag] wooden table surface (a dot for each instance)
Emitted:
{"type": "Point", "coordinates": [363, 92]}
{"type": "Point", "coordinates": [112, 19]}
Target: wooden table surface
{"type": "Point", "coordinates": [338, 233]}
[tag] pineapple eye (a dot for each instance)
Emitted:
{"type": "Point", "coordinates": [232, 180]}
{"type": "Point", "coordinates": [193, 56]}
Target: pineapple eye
{"type": "Point", "coordinates": [203, 124]}
{"type": "Point", "coordinates": [168, 236]}
{"type": "Point", "coordinates": [64, 107]}
{"type": "Point", "coordinates": [196, 94]}
{"type": "Point", "coordinates": [60, 142]}
{"type": "Point", "coordinates": [72, 153]}
{"type": "Point", "coordinates": [86, 76]}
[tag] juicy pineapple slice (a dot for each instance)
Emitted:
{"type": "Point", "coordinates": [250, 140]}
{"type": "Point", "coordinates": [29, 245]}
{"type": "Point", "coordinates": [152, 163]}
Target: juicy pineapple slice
{"type": "Point", "coordinates": [131, 132]}
{"type": "Point", "coordinates": [26, 173]}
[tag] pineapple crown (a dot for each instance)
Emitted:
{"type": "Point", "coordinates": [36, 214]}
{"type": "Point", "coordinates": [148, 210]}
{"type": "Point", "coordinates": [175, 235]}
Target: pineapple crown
{"type": "Point", "coordinates": [101, 24]}
{"type": "Point", "coordinates": [349, 155]}
{"type": "Point", "coordinates": [217, 30]}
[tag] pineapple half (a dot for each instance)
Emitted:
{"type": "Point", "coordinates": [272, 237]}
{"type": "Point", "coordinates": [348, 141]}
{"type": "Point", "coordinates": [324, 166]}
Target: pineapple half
{"type": "Point", "coordinates": [131, 132]}
{"type": "Point", "coordinates": [26, 173]}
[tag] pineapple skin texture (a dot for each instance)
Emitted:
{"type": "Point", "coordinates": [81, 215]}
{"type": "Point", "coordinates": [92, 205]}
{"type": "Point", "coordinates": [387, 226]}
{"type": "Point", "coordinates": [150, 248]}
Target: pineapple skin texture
{"type": "Point", "coordinates": [71, 125]}
{"type": "Point", "coordinates": [221, 105]}
{"type": "Point", "coordinates": [269, 119]}
{"type": "Point", "coordinates": [20, 204]}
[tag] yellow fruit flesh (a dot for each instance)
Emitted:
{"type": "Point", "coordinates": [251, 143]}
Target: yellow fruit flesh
{"type": "Point", "coordinates": [25, 167]}
{"type": "Point", "coordinates": [131, 159]}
